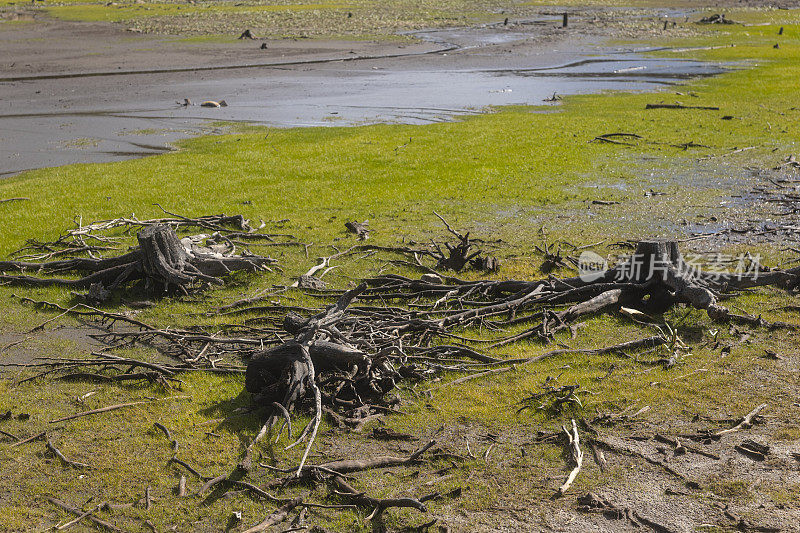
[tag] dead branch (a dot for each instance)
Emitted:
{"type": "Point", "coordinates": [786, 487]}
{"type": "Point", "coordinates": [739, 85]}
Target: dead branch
{"type": "Point", "coordinates": [681, 106]}
{"type": "Point", "coordinates": [115, 407]}
{"type": "Point", "coordinates": [38, 436]}
{"type": "Point", "coordinates": [77, 512]}
{"type": "Point", "coordinates": [577, 457]}
{"type": "Point", "coordinates": [55, 451]}
{"type": "Point", "coordinates": [276, 517]}
{"type": "Point", "coordinates": [9, 435]}
{"type": "Point", "coordinates": [745, 423]}
{"type": "Point", "coordinates": [172, 442]}
{"type": "Point", "coordinates": [79, 518]}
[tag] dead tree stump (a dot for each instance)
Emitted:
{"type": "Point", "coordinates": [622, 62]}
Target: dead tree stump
{"type": "Point", "coordinates": [347, 376]}
{"type": "Point", "coordinates": [278, 375]}
{"type": "Point", "coordinates": [660, 265]}
{"type": "Point", "coordinates": [163, 258]}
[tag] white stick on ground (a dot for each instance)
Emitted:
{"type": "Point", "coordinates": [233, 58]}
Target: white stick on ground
{"type": "Point", "coordinates": [317, 410]}
{"type": "Point", "coordinates": [746, 422]}
{"type": "Point", "coordinates": [577, 457]}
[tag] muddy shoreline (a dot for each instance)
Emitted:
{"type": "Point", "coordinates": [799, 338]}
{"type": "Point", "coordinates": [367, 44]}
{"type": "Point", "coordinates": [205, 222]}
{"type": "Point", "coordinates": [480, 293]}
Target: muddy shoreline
{"type": "Point", "coordinates": [104, 94]}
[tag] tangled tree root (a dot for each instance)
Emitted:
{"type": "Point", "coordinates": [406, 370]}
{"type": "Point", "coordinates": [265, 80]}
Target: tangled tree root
{"type": "Point", "coordinates": [162, 261]}
{"type": "Point", "coordinates": [346, 359]}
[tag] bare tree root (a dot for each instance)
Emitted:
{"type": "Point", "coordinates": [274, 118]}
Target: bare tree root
{"type": "Point", "coordinates": [461, 254]}
{"type": "Point", "coordinates": [345, 490]}
{"type": "Point", "coordinates": [346, 359]}
{"type": "Point", "coordinates": [162, 261]}
{"type": "Point", "coordinates": [348, 466]}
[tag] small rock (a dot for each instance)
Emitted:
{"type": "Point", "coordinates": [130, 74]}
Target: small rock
{"type": "Point", "coordinates": [310, 282]}
{"type": "Point", "coordinates": [359, 228]}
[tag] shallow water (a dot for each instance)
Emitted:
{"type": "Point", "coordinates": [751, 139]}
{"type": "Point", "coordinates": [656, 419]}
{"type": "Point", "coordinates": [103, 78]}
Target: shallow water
{"type": "Point", "coordinates": [138, 114]}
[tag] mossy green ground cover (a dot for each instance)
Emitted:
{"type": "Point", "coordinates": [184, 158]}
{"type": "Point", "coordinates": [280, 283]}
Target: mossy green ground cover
{"type": "Point", "coordinates": [505, 175]}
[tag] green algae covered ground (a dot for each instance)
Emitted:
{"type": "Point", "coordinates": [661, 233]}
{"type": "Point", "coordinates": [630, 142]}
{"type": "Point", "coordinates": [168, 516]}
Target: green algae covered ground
{"type": "Point", "coordinates": [517, 175]}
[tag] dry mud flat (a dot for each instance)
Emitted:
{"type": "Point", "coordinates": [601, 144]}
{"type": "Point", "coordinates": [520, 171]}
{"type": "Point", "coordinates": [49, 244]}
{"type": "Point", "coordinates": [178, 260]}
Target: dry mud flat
{"type": "Point", "coordinates": [104, 94]}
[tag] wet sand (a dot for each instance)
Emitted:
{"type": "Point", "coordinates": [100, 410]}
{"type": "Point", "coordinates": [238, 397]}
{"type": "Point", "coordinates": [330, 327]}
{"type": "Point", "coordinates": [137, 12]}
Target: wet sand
{"type": "Point", "coordinates": [84, 93]}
